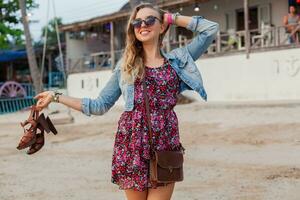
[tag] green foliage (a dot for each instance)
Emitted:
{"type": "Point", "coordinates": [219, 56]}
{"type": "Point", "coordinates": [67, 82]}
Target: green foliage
{"type": "Point", "coordinates": [51, 35]}
{"type": "Point", "coordinates": [10, 18]}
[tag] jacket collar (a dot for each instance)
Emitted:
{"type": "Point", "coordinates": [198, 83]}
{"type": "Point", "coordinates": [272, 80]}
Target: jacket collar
{"type": "Point", "coordinates": [167, 55]}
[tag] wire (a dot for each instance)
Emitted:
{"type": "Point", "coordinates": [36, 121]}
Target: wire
{"type": "Point", "coordinates": [45, 42]}
{"type": "Point", "coordinates": [107, 10]}
{"type": "Point", "coordinates": [102, 4]}
{"type": "Point", "coordinates": [61, 54]}
{"type": "Point", "coordinates": [88, 11]}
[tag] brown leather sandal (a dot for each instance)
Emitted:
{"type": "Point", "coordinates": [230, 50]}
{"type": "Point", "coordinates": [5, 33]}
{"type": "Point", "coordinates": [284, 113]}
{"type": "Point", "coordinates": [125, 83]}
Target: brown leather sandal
{"type": "Point", "coordinates": [29, 136]}
{"type": "Point", "coordinates": [51, 126]}
{"type": "Point", "coordinates": [43, 125]}
{"type": "Point", "coordinates": [32, 138]}
{"type": "Point", "coordinates": [40, 141]}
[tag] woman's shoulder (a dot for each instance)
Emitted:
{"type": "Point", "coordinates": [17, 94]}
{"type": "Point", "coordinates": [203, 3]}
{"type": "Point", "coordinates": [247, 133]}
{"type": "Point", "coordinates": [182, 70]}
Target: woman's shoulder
{"type": "Point", "coordinates": [118, 64]}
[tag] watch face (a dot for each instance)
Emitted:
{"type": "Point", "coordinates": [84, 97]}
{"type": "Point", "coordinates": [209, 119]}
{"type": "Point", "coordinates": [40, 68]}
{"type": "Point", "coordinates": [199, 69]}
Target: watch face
{"type": "Point", "coordinates": [56, 96]}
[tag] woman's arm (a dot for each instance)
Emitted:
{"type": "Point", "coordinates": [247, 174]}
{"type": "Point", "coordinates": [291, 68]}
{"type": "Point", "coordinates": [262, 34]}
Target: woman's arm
{"type": "Point", "coordinates": [206, 32]}
{"type": "Point", "coordinates": [288, 27]}
{"type": "Point", "coordinates": [105, 100]}
{"type": "Point", "coordinates": [70, 102]}
{"type": "Point", "coordinates": [45, 98]}
{"type": "Point", "coordinates": [183, 21]}
{"type": "Point", "coordinates": [285, 20]}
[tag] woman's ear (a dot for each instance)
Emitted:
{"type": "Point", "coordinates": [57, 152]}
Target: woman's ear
{"type": "Point", "coordinates": [164, 24]}
{"type": "Point", "coordinates": [164, 28]}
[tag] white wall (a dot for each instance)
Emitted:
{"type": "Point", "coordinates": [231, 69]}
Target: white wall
{"type": "Point", "coordinates": [89, 80]}
{"type": "Point", "coordinates": [273, 75]}
{"type": "Point", "coordinates": [75, 48]}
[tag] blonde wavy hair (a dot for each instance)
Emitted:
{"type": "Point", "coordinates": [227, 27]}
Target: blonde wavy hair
{"type": "Point", "coordinates": [132, 66]}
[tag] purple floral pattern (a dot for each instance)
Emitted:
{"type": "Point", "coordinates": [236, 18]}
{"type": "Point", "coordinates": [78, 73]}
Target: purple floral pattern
{"type": "Point", "coordinates": [131, 149]}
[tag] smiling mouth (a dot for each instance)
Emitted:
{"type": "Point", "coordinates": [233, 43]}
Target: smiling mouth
{"type": "Point", "coordinates": [144, 32]}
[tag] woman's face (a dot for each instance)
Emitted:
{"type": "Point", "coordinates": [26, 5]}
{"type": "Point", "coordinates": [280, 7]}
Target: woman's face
{"type": "Point", "coordinates": [151, 32]}
{"type": "Point", "coordinates": [292, 9]}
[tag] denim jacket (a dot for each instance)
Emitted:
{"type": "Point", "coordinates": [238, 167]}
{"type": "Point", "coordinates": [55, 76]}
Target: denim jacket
{"type": "Point", "coordinates": [181, 59]}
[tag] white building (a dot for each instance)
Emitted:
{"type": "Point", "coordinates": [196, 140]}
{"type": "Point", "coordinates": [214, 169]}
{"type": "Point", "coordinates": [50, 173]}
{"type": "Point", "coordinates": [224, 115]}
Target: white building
{"type": "Point", "coordinates": [271, 72]}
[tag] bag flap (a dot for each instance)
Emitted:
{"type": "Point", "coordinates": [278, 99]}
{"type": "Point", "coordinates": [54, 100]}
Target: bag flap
{"type": "Point", "coordinates": [169, 159]}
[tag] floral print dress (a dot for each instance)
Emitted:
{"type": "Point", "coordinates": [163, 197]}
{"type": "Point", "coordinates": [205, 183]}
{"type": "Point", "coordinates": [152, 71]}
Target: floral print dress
{"type": "Point", "coordinates": [131, 156]}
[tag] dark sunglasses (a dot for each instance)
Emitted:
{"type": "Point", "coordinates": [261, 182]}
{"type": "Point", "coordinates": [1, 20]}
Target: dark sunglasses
{"type": "Point", "coordinates": [149, 21]}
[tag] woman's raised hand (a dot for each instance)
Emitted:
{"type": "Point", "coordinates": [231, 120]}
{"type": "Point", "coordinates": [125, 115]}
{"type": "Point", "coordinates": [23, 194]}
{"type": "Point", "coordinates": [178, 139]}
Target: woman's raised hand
{"type": "Point", "coordinates": [165, 19]}
{"type": "Point", "coordinates": [44, 99]}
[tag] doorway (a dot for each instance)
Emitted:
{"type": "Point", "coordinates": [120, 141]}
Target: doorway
{"type": "Point", "coordinates": [253, 19]}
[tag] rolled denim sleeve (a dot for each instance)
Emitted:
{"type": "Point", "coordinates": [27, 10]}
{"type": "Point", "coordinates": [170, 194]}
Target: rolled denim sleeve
{"type": "Point", "coordinates": [206, 32]}
{"type": "Point", "coordinates": [105, 100]}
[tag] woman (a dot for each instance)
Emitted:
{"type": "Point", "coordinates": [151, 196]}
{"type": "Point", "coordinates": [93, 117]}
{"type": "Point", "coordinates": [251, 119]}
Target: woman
{"type": "Point", "coordinates": [165, 75]}
{"type": "Point", "coordinates": [291, 21]}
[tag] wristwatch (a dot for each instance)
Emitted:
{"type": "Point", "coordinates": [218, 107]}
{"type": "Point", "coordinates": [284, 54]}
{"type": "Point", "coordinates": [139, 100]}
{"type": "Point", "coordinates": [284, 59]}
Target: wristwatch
{"type": "Point", "coordinates": [55, 96]}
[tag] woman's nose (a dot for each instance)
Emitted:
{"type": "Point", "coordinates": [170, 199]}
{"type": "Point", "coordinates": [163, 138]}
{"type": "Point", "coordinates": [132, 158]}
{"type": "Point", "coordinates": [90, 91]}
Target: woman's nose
{"type": "Point", "coordinates": [143, 24]}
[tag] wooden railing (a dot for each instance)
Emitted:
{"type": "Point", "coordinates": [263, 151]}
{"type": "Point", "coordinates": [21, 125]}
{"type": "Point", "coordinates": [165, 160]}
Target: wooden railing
{"type": "Point", "coordinates": [232, 41]}
{"type": "Point", "coordinates": [9, 105]}
{"type": "Point", "coordinates": [259, 38]}
{"type": "Point", "coordinates": [15, 104]}
{"type": "Point", "coordinates": [93, 62]}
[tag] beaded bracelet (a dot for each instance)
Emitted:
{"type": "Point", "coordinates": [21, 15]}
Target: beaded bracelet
{"type": "Point", "coordinates": [174, 16]}
{"type": "Point", "coordinates": [169, 18]}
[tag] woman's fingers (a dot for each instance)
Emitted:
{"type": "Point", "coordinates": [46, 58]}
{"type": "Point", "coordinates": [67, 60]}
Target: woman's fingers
{"type": "Point", "coordinates": [38, 108]}
{"type": "Point", "coordinates": [37, 96]}
{"type": "Point", "coordinates": [165, 18]}
{"type": "Point", "coordinates": [41, 104]}
{"type": "Point", "coordinates": [44, 98]}
{"type": "Point", "coordinates": [40, 95]}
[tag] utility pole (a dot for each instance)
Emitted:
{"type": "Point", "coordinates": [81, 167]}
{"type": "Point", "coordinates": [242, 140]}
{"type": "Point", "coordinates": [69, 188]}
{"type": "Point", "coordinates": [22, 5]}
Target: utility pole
{"type": "Point", "coordinates": [34, 71]}
{"type": "Point", "coordinates": [112, 44]}
{"type": "Point", "coordinates": [247, 35]}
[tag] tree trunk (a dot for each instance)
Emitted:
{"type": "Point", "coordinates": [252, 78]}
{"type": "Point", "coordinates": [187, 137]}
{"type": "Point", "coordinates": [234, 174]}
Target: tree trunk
{"type": "Point", "coordinates": [34, 70]}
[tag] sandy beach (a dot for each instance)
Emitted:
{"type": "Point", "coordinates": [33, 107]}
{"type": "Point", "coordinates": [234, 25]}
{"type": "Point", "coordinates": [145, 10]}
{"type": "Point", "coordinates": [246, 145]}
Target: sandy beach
{"type": "Point", "coordinates": [233, 152]}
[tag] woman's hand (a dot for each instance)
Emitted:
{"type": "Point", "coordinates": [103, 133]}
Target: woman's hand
{"type": "Point", "coordinates": [44, 99]}
{"type": "Point", "coordinates": [165, 19]}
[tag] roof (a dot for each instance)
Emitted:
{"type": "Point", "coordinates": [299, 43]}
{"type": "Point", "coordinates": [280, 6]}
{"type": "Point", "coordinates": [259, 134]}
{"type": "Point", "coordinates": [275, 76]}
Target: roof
{"type": "Point", "coordinates": [124, 12]}
{"type": "Point", "coordinates": [10, 55]}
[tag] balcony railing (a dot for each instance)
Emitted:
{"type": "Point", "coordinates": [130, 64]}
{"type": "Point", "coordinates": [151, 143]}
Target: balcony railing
{"type": "Point", "coordinates": [231, 41]}
{"type": "Point", "coordinates": [93, 62]}
{"type": "Point", "coordinates": [266, 37]}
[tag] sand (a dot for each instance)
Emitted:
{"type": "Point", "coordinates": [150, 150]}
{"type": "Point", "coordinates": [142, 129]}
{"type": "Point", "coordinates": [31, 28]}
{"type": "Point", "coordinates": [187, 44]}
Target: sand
{"type": "Point", "coordinates": [233, 151]}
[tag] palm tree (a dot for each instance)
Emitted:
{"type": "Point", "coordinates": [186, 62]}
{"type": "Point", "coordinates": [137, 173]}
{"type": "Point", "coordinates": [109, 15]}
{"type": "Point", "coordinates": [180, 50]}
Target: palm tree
{"type": "Point", "coordinates": [34, 70]}
{"type": "Point", "coordinates": [51, 32]}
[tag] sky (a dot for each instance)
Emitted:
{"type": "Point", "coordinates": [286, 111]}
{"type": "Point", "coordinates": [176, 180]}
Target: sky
{"type": "Point", "coordinates": [70, 11]}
